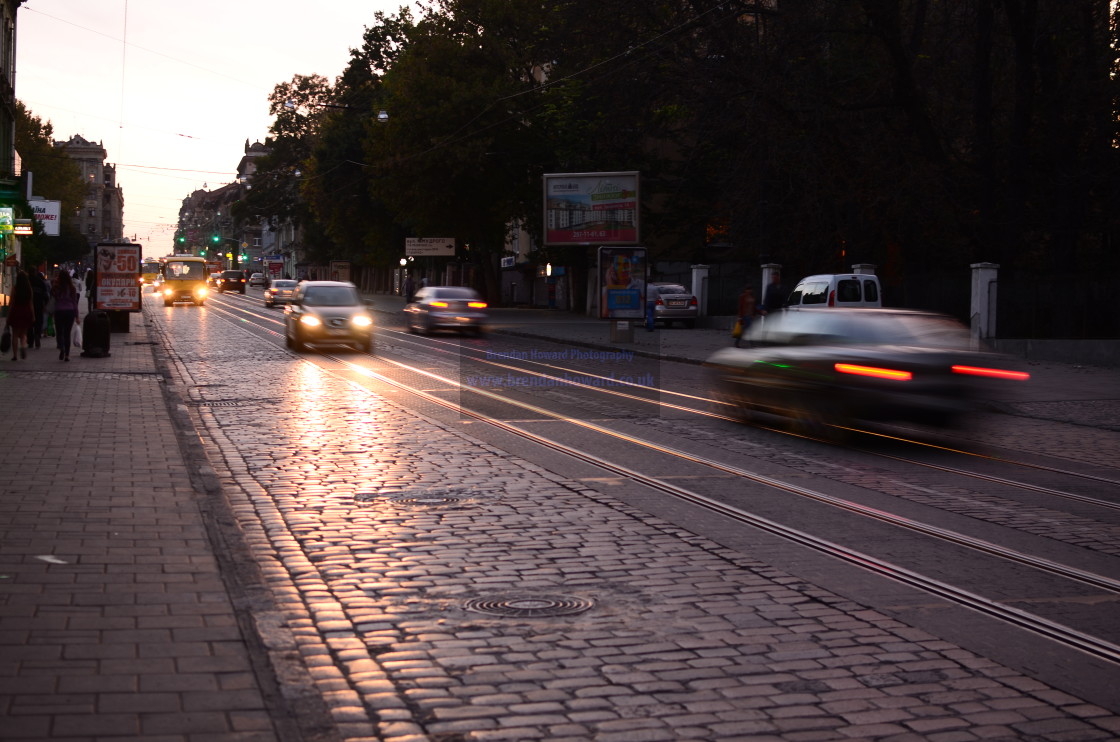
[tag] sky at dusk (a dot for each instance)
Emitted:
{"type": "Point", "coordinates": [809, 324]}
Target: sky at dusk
{"type": "Point", "coordinates": [172, 90]}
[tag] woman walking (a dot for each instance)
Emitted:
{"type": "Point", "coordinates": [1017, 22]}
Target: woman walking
{"type": "Point", "coordinates": [21, 315]}
{"type": "Point", "coordinates": [65, 312]}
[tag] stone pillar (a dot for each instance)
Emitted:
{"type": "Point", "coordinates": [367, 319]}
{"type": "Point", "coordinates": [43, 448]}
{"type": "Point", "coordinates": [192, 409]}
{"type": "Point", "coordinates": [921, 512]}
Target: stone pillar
{"type": "Point", "coordinates": [982, 317]}
{"type": "Point", "coordinates": [700, 287]}
{"type": "Point", "coordinates": [767, 270]}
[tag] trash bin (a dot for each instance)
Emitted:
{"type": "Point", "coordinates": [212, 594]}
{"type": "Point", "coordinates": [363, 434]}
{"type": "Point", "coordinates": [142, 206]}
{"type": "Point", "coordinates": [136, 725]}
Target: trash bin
{"type": "Point", "coordinates": [96, 332]}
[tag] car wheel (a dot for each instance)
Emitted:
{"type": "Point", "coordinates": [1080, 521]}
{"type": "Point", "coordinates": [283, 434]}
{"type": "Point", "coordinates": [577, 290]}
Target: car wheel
{"type": "Point", "coordinates": [297, 342]}
{"type": "Point", "coordinates": [817, 418]}
{"type": "Point", "coordinates": [269, 304]}
{"type": "Point", "coordinates": [366, 346]}
{"type": "Point", "coordinates": [199, 302]}
{"type": "Point", "coordinates": [690, 323]}
{"type": "Point", "coordinates": [242, 291]}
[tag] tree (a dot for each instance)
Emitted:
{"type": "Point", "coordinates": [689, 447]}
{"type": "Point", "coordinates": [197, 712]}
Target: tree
{"type": "Point", "coordinates": [57, 177]}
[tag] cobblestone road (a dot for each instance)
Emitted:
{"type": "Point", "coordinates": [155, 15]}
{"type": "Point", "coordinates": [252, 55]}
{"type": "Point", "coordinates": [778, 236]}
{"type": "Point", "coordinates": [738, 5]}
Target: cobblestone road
{"type": "Point", "coordinates": [393, 544]}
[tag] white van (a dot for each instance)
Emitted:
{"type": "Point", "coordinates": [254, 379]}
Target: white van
{"type": "Point", "coordinates": [837, 290]}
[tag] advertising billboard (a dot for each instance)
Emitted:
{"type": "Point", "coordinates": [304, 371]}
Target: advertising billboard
{"type": "Point", "coordinates": [116, 274]}
{"type": "Point", "coordinates": [622, 282]}
{"type": "Point", "coordinates": [48, 214]}
{"type": "Point", "coordinates": [591, 208]}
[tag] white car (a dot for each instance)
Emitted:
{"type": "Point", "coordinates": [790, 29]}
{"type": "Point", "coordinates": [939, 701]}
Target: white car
{"type": "Point", "coordinates": [258, 279]}
{"type": "Point", "coordinates": [851, 290]}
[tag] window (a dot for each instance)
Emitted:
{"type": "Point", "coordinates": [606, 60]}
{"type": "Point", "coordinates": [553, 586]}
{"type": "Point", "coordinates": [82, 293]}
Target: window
{"type": "Point", "coordinates": [93, 212]}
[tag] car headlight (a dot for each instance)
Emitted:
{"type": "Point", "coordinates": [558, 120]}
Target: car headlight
{"type": "Point", "coordinates": [310, 320]}
{"type": "Point", "coordinates": [361, 320]}
{"type": "Point", "coordinates": [168, 292]}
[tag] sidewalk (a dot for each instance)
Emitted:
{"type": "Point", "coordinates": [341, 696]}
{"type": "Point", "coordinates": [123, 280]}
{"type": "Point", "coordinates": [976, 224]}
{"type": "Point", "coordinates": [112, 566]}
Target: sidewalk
{"type": "Point", "coordinates": [115, 620]}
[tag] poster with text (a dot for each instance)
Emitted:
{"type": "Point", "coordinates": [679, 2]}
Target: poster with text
{"type": "Point", "coordinates": [118, 274]}
{"type": "Point", "coordinates": [591, 209]}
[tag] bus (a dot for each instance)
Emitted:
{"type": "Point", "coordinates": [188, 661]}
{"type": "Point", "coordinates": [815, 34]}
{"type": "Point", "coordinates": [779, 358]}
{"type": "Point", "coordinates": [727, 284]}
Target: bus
{"type": "Point", "coordinates": [149, 272]}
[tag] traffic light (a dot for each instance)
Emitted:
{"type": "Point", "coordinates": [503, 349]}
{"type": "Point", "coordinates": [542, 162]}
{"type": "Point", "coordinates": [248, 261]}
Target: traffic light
{"type": "Point", "coordinates": [215, 238]}
{"type": "Point", "coordinates": [244, 257]}
{"type": "Point", "coordinates": [202, 251]}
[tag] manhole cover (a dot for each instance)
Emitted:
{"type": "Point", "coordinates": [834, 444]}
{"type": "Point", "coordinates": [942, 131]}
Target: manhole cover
{"type": "Point", "coordinates": [425, 497]}
{"type": "Point", "coordinates": [530, 606]}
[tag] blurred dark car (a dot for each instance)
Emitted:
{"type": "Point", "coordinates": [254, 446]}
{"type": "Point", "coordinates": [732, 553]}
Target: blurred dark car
{"type": "Point", "coordinates": [231, 281]}
{"type": "Point", "coordinates": [280, 291]}
{"type": "Point", "coordinates": [446, 308]}
{"type": "Point", "coordinates": [327, 313]}
{"type": "Point", "coordinates": [824, 369]}
{"type": "Point", "coordinates": [672, 302]}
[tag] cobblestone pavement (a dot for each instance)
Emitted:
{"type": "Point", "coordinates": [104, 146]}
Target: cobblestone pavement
{"type": "Point", "coordinates": [387, 544]}
{"type": "Point", "coordinates": [393, 541]}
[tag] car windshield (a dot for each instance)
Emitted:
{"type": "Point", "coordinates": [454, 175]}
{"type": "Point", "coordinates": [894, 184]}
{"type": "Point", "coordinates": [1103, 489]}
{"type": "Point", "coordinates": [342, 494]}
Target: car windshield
{"type": "Point", "coordinates": [282, 284]}
{"type": "Point", "coordinates": [452, 292]}
{"type": "Point", "coordinates": [187, 271]}
{"type": "Point", "coordinates": [331, 296]}
{"type": "Point", "coordinates": [672, 289]}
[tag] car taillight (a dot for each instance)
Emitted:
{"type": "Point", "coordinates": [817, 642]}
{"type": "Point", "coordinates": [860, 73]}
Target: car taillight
{"type": "Point", "coordinates": [874, 372]}
{"type": "Point", "coordinates": [993, 373]}
{"type": "Point", "coordinates": [659, 302]}
{"type": "Point", "coordinates": [832, 298]}
{"type": "Point", "coordinates": [476, 304]}
{"type": "Point", "coordinates": [439, 304]}
{"type": "Point", "coordinates": [692, 302]}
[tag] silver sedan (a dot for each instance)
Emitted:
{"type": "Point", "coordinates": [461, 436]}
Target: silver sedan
{"type": "Point", "coordinates": [446, 308]}
{"type": "Point", "coordinates": [280, 292]}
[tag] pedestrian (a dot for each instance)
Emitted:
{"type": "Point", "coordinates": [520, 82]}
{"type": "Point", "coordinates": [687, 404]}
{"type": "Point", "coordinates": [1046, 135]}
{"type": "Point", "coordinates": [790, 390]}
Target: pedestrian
{"type": "Point", "coordinates": [747, 309]}
{"type": "Point", "coordinates": [409, 289]}
{"type": "Point", "coordinates": [41, 293]}
{"type": "Point", "coordinates": [21, 315]}
{"type": "Point", "coordinates": [773, 300]}
{"type": "Point", "coordinates": [65, 312]}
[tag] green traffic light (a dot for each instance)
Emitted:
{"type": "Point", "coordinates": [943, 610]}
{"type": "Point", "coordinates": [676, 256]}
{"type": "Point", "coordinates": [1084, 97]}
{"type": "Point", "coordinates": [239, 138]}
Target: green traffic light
{"type": "Point", "coordinates": [215, 238]}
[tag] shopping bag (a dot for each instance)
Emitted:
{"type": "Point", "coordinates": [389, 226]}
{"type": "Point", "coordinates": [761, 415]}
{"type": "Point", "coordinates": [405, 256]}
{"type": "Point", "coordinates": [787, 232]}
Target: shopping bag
{"type": "Point", "coordinates": [76, 335]}
{"type": "Point", "coordinates": [49, 332]}
{"type": "Point", "coordinates": [737, 330]}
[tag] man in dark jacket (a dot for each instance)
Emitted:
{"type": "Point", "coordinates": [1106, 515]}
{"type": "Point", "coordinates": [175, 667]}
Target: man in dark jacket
{"type": "Point", "coordinates": [774, 298]}
{"type": "Point", "coordinates": [40, 295]}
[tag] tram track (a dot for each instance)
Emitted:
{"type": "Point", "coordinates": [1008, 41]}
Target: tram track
{"type": "Point", "coordinates": [1054, 630]}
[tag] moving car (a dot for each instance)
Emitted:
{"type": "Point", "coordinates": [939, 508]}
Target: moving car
{"type": "Point", "coordinates": [231, 281]}
{"type": "Point", "coordinates": [837, 290]}
{"type": "Point", "coordinates": [280, 291]}
{"type": "Point", "coordinates": [446, 308]}
{"type": "Point", "coordinates": [825, 369]}
{"type": "Point", "coordinates": [215, 279]}
{"type": "Point", "coordinates": [184, 279]}
{"type": "Point", "coordinates": [672, 302]}
{"type": "Point", "coordinates": [258, 279]}
{"type": "Point", "coordinates": [327, 313]}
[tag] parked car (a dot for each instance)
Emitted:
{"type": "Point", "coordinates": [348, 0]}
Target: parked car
{"type": "Point", "coordinates": [446, 308]}
{"type": "Point", "coordinates": [842, 290]}
{"type": "Point", "coordinates": [327, 313]}
{"type": "Point", "coordinates": [825, 369]}
{"type": "Point", "coordinates": [258, 279]}
{"type": "Point", "coordinates": [231, 281]}
{"type": "Point", "coordinates": [280, 291]}
{"type": "Point", "coordinates": [672, 302]}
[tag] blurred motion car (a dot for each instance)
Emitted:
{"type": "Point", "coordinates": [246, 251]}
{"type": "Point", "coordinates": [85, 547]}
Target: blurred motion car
{"type": "Point", "coordinates": [257, 279]}
{"type": "Point", "coordinates": [825, 370]}
{"type": "Point", "coordinates": [231, 281]}
{"type": "Point", "coordinates": [280, 291]}
{"type": "Point", "coordinates": [327, 313]}
{"type": "Point", "coordinates": [446, 308]}
{"type": "Point", "coordinates": [672, 302]}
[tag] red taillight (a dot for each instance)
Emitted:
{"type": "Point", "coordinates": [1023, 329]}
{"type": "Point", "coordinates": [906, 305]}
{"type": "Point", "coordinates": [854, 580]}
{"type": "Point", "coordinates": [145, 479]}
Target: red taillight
{"type": "Point", "coordinates": [832, 298]}
{"type": "Point", "coordinates": [476, 304]}
{"type": "Point", "coordinates": [878, 373]}
{"type": "Point", "coordinates": [692, 302]}
{"type": "Point", "coordinates": [992, 373]}
{"type": "Point", "coordinates": [439, 304]}
{"type": "Point", "coordinates": [659, 303]}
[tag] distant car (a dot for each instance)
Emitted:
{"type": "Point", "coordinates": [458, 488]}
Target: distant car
{"type": "Point", "coordinates": [231, 281]}
{"type": "Point", "coordinates": [446, 308]}
{"type": "Point", "coordinates": [327, 313]}
{"type": "Point", "coordinates": [280, 291]}
{"type": "Point", "coordinates": [258, 279]}
{"type": "Point", "coordinates": [826, 369]}
{"type": "Point", "coordinates": [672, 302]}
{"type": "Point", "coordinates": [215, 279]}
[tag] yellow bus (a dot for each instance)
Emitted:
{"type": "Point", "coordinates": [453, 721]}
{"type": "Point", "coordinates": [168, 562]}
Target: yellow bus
{"type": "Point", "coordinates": [149, 272]}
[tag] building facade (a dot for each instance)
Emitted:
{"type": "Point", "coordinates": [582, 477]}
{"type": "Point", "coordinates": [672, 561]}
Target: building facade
{"type": "Point", "coordinates": [101, 216]}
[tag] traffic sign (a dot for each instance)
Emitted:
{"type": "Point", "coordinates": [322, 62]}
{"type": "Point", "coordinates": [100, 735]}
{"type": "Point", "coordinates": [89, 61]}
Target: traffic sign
{"type": "Point", "coordinates": [429, 246]}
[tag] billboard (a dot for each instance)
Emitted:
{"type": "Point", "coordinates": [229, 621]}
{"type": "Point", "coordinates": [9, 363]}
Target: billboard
{"type": "Point", "coordinates": [622, 282]}
{"type": "Point", "coordinates": [48, 214]}
{"type": "Point", "coordinates": [418, 246]}
{"type": "Point", "coordinates": [117, 273]}
{"type": "Point", "coordinates": [591, 208]}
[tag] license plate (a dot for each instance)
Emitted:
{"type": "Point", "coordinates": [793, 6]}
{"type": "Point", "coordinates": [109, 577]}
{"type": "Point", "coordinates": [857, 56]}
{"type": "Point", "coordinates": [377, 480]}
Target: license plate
{"type": "Point", "coordinates": [676, 303]}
